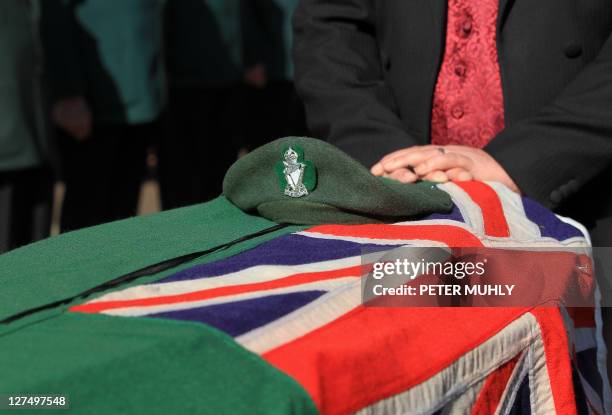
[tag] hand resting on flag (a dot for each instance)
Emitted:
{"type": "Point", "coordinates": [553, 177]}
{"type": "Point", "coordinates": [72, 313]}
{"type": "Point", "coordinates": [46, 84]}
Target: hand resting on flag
{"type": "Point", "coordinates": [441, 164]}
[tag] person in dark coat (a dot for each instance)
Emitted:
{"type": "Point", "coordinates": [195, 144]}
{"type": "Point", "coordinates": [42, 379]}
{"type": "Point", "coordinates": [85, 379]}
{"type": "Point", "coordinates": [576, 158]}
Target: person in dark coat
{"type": "Point", "coordinates": [107, 80]}
{"type": "Point", "coordinates": [273, 109]}
{"type": "Point", "coordinates": [378, 77]}
{"type": "Point", "coordinates": [203, 54]}
{"type": "Point", "coordinates": [25, 180]}
{"type": "Point", "coordinates": [518, 92]}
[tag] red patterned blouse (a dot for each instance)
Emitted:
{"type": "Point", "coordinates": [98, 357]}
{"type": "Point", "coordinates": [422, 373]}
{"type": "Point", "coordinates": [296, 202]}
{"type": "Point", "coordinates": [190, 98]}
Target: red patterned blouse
{"type": "Point", "coordinates": [468, 105]}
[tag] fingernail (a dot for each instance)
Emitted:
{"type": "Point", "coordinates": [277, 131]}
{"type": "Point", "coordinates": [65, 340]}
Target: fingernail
{"type": "Point", "coordinates": [387, 166]}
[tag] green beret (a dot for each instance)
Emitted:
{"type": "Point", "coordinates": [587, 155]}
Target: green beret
{"type": "Point", "coordinates": [301, 180]}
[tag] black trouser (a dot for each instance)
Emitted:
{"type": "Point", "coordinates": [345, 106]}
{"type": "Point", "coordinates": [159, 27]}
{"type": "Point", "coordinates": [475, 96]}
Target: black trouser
{"type": "Point", "coordinates": [200, 144]}
{"type": "Point", "coordinates": [103, 173]}
{"type": "Point", "coordinates": [601, 235]}
{"type": "Point", "coordinates": [593, 207]}
{"type": "Point", "coordinates": [25, 206]}
{"type": "Point", "coordinates": [272, 112]}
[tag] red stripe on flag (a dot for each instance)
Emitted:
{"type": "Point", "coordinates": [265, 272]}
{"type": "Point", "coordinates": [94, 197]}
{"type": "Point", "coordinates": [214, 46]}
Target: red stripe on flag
{"type": "Point", "coordinates": [483, 195]}
{"type": "Point", "coordinates": [558, 363]}
{"type": "Point", "coordinates": [453, 236]}
{"type": "Point", "coordinates": [491, 393]}
{"type": "Point", "coordinates": [289, 281]}
{"type": "Point", "coordinates": [371, 354]}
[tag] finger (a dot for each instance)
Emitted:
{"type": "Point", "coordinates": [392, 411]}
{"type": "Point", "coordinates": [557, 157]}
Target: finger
{"type": "Point", "coordinates": [407, 150]}
{"type": "Point", "coordinates": [436, 176]}
{"type": "Point", "coordinates": [455, 148]}
{"type": "Point", "coordinates": [443, 162]}
{"type": "Point", "coordinates": [411, 159]}
{"type": "Point", "coordinates": [459, 174]}
{"type": "Point", "coordinates": [397, 153]}
{"type": "Point", "coordinates": [377, 169]}
{"type": "Point", "coordinates": [402, 175]}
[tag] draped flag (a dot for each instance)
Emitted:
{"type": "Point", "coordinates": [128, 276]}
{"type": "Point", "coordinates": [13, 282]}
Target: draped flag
{"type": "Point", "coordinates": [296, 302]}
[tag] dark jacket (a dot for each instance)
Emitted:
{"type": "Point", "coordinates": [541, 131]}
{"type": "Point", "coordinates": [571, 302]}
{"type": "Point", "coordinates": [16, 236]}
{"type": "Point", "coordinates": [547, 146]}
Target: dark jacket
{"type": "Point", "coordinates": [109, 51]}
{"type": "Point", "coordinates": [22, 133]}
{"type": "Point", "coordinates": [268, 37]}
{"type": "Point", "coordinates": [367, 69]}
{"type": "Point", "coordinates": [203, 42]}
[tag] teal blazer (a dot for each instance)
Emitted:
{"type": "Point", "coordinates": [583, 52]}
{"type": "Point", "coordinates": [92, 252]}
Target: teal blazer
{"type": "Point", "coordinates": [110, 51]}
{"type": "Point", "coordinates": [21, 134]}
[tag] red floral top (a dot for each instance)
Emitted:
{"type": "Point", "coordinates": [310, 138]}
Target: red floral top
{"type": "Point", "coordinates": [468, 105]}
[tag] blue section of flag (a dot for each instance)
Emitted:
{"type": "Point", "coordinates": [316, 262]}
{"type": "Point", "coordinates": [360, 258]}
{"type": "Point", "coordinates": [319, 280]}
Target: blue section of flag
{"type": "Point", "coordinates": [286, 250]}
{"type": "Point", "coordinates": [454, 214]}
{"type": "Point", "coordinates": [549, 224]}
{"type": "Point", "coordinates": [238, 317]}
{"type": "Point", "coordinates": [522, 400]}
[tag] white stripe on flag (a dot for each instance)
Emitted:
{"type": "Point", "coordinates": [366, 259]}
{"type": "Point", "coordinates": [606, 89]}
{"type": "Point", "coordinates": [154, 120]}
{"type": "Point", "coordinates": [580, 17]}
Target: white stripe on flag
{"type": "Point", "coordinates": [251, 275]}
{"type": "Point", "coordinates": [318, 313]}
{"type": "Point", "coordinates": [325, 285]}
{"type": "Point", "coordinates": [473, 367]}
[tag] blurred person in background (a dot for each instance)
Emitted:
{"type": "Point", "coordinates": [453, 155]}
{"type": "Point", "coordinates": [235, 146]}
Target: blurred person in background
{"type": "Point", "coordinates": [107, 80]}
{"type": "Point", "coordinates": [273, 107]}
{"type": "Point", "coordinates": [203, 55]}
{"type": "Point", "coordinates": [25, 179]}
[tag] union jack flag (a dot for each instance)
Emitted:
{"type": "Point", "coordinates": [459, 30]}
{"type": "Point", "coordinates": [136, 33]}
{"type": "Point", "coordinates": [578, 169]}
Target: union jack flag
{"type": "Point", "coordinates": [296, 302]}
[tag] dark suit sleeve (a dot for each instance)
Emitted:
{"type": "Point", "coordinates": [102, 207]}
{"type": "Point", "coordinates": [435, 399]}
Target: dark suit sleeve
{"type": "Point", "coordinates": [569, 143]}
{"type": "Point", "coordinates": [339, 77]}
{"type": "Point", "coordinates": [58, 35]}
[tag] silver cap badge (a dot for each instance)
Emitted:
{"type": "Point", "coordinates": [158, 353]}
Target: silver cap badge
{"type": "Point", "coordinates": [294, 174]}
